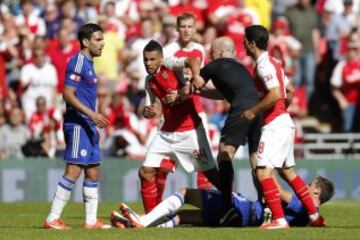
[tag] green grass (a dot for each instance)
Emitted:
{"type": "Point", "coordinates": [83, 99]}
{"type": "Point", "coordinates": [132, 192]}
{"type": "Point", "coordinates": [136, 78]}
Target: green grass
{"type": "Point", "coordinates": [24, 221]}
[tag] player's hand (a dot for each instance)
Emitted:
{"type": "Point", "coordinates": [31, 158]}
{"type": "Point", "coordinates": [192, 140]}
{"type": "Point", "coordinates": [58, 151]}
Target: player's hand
{"type": "Point", "coordinates": [149, 111]}
{"type": "Point", "coordinates": [100, 120]}
{"type": "Point", "coordinates": [249, 114]}
{"type": "Point", "coordinates": [187, 74]}
{"type": "Point", "coordinates": [170, 97]}
{"type": "Point", "coordinates": [198, 82]}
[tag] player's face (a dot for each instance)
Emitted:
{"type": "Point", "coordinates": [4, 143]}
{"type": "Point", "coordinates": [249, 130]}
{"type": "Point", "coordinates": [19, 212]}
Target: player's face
{"type": "Point", "coordinates": [152, 61]}
{"type": "Point", "coordinates": [186, 29]}
{"type": "Point", "coordinates": [249, 46]}
{"type": "Point", "coordinates": [314, 189]}
{"type": "Point", "coordinates": [96, 44]}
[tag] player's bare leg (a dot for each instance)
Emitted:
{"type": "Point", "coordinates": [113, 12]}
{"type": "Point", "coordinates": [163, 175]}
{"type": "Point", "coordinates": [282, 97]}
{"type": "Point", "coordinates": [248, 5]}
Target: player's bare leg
{"type": "Point", "coordinates": [62, 196]}
{"type": "Point", "coordinates": [149, 191]}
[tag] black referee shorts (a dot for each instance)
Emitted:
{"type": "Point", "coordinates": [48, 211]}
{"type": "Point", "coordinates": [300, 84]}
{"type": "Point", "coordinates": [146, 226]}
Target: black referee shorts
{"type": "Point", "coordinates": [237, 131]}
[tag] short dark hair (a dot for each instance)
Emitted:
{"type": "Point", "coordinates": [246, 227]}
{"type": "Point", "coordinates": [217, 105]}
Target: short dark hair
{"type": "Point", "coordinates": [257, 34]}
{"type": "Point", "coordinates": [183, 17]}
{"type": "Point", "coordinates": [153, 46]}
{"type": "Point", "coordinates": [86, 31]}
{"type": "Point", "coordinates": [327, 189]}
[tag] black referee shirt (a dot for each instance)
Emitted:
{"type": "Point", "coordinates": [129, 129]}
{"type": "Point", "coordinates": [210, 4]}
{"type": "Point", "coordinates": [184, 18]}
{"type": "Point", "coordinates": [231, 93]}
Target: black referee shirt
{"type": "Point", "coordinates": [233, 80]}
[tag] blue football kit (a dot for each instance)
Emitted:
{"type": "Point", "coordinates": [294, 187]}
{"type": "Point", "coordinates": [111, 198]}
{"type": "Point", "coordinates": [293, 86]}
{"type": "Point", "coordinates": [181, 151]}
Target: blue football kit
{"type": "Point", "coordinates": [80, 132]}
{"type": "Point", "coordinates": [250, 213]}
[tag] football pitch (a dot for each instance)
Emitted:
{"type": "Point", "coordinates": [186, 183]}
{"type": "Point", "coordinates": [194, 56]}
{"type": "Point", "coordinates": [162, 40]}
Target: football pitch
{"type": "Point", "coordinates": [24, 221]}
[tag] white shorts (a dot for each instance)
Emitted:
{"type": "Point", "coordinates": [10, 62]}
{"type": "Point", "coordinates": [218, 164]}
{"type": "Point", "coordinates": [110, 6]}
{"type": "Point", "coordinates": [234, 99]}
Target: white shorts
{"type": "Point", "coordinates": [190, 148]}
{"type": "Point", "coordinates": [276, 146]}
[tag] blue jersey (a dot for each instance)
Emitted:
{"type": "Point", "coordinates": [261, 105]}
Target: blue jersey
{"type": "Point", "coordinates": [295, 212]}
{"type": "Point", "coordinates": [80, 74]}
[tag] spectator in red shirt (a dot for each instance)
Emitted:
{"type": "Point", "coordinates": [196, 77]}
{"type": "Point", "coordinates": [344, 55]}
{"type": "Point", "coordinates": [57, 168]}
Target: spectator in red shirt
{"type": "Point", "coordinates": [188, 6]}
{"type": "Point", "coordinates": [60, 50]}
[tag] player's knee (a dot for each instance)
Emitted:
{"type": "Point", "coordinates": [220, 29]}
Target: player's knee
{"type": "Point", "coordinates": [146, 173]}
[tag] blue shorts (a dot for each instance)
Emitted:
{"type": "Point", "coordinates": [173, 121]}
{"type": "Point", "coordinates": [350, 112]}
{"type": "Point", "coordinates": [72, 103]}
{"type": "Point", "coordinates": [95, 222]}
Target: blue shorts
{"type": "Point", "coordinates": [82, 144]}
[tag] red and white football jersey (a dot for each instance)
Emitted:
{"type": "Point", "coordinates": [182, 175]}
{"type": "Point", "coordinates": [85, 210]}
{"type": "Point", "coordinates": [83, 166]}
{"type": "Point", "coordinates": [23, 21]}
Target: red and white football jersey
{"type": "Point", "coordinates": [346, 76]}
{"type": "Point", "coordinates": [269, 74]}
{"type": "Point", "coordinates": [193, 50]}
{"type": "Point", "coordinates": [177, 118]}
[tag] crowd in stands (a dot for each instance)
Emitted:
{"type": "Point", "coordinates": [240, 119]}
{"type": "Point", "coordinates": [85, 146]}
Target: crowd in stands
{"type": "Point", "coordinates": [317, 42]}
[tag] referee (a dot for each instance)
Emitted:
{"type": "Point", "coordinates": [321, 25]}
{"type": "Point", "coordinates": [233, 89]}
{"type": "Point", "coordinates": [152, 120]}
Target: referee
{"type": "Point", "coordinates": [225, 76]}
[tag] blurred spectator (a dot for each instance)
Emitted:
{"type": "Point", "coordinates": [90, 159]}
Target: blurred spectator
{"type": "Point", "coordinates": [283, 46]}
{"type": "Point", "coordinates": [217, 11]}
{"type": "Point", "coordinates": [69, 10]}
{"type": "Point", "coordinates": [136, 49]}
{"type": "Point", "coordinates": [210, 35]}
{"type": "Point", "coordinates": [31, 19]}
{"type": "Point", "coordinates": [187, 6]}
{"type": "Point", "coordinates": [349, 13]}
{"type": "Point", "coordinates": [38, 79]}
{"type": "Point", "coordinates": [263, 8]}
{"type": "Point", "coordinates": [279, 7]}
{"type": "Point", "coordinates": [107, 65]}
{"type": "Point", "coordinates": [345, 82]}
{"type": "Point", "coordinates": [303, 22]}
{"type": "Point", "coordinates": [60, 50]}
{"type": "Point", "coordinates": [168, 33]}
{"type": "Point", "coordinates": [109, 11]}
{"type": "Point", "coordinates": [86, 11]}
{"type": "Point", "coordinates": [13, 135]}
{"type": "Point", "coordinates": [337, 27]}
{"type": "Point", "coordinates": [52, 20]}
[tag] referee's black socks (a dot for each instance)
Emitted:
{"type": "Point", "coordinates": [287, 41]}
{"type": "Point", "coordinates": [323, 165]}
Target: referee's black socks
{"type": "Point", "coordinates": [226, 172]}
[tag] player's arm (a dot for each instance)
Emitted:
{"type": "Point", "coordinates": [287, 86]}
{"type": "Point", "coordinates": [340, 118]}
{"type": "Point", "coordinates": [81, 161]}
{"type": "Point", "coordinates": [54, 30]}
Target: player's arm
{"type": "Point", "coordinates": [69, 96]}
{"type": "Point", "coordinates": [72, 81]}
{"type": "Point", "coordinates": [273, 94]}
{"type": "Point", "coordinates": [150, 99]}
{"type": "Point", "coordinates": [210, 91]}
{"type": "Point", "coordinates": [284, 195]}
{"type": "Point", "coordinates": [336, 84]}
{"type": "Point", "coordinates": [194, 64]}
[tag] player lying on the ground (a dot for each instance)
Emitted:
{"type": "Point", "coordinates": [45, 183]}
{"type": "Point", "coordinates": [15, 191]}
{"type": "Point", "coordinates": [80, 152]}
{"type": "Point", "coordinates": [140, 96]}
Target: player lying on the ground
{"type": "Point", "coordinates": [209, 202]}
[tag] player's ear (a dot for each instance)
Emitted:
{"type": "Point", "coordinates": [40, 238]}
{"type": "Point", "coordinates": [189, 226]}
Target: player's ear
{"type": "Point", "coordinates": [86, 42]}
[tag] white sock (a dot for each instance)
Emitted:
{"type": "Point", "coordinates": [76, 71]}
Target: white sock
{"type": "Point", "coordinates": [62, 196]}
{"type": "Point", "coordinates": [314, 216]}
{"type": "Point", "coordinates": [166, 207]}
{"type": "Point", "coordinates": [281, 221]}
{"type": "Point", "coordinates": [91, 199]}
{"type": "Point", "coordinates": [171, 223]}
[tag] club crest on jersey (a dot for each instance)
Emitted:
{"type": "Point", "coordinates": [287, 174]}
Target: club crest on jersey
{"type": "Point", "coordinates": [75, 78]}
{"type": "Point", "coordinates": [83, 152]}
{"type": "Point", "coordinates": [165, 75]}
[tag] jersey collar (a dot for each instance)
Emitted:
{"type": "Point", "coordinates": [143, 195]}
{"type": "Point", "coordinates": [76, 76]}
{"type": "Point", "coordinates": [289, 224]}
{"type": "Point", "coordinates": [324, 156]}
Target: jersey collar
{"type": "Point", "coordinates": [262, 56]}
